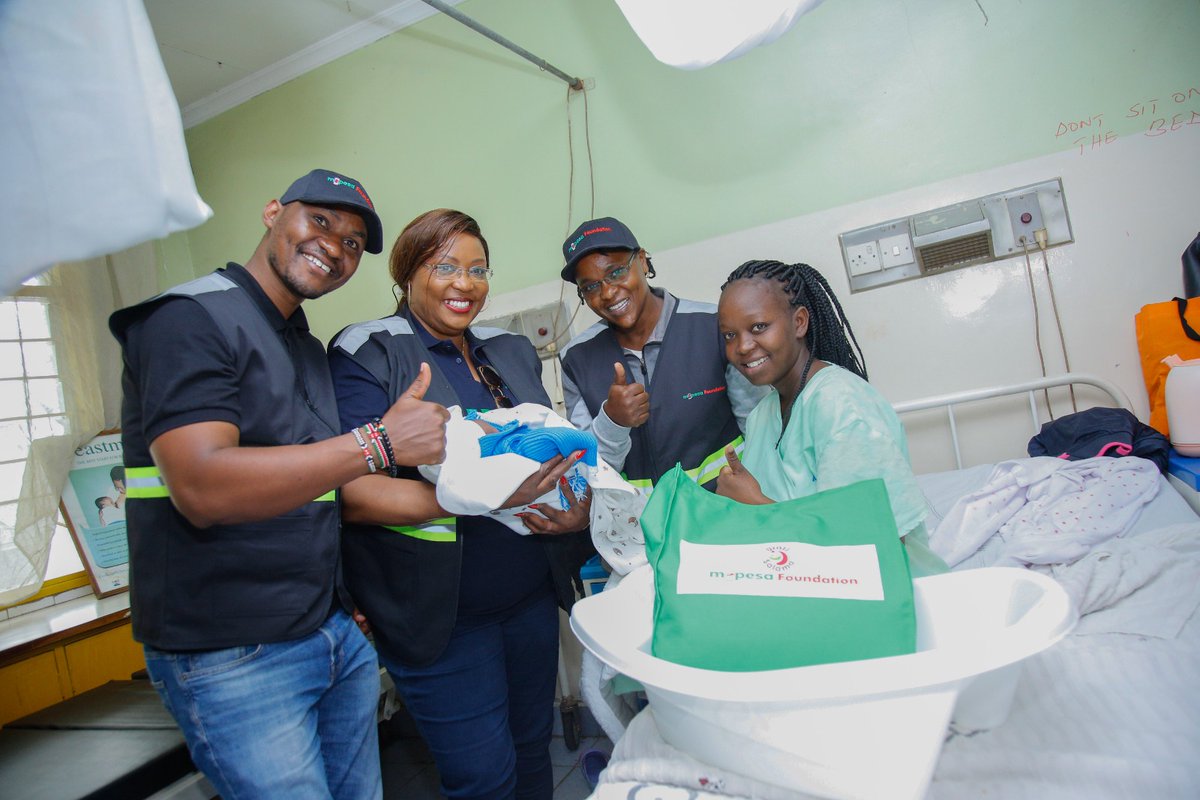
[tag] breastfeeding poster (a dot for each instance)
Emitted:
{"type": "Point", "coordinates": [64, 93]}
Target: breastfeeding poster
{"type": "Point", "coordinates": [93, 504]}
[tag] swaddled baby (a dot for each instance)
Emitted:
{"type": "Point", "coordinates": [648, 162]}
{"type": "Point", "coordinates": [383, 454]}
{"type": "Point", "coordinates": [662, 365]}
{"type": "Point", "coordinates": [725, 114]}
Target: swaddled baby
{"type": "Point", "coordinates": [489, 454]}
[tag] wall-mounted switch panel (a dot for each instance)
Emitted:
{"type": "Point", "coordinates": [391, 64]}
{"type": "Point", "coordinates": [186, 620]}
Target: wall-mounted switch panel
{"type": "Point", "coordinates": [1026, 215]}
{"type": "Point", "coordinates": [895, 251]}
{"type": "Point", "coordinates": [977, 230]}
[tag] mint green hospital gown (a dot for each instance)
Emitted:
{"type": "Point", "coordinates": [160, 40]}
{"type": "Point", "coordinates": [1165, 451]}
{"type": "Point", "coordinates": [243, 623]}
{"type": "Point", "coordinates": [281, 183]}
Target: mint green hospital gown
{"type": "Point", "coordinates": [841, 431]}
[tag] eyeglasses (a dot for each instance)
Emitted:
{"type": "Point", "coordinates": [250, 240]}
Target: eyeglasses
{"type": "Point", "coordinates": [448, 272]}
{"type": "Point", "coordinates": [618, 275]}
{"type": "Point", "coordinates": [493, 382]}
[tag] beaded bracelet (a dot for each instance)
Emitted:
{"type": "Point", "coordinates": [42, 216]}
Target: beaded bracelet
{"type": "Point", "coordinates": [384, 462]}
{"type": "Point", "coordinates": [387, 446]}
{"type": "Point", "coordinates": [379, 438]}
{"type": "Point", "coordinates": [372, 436]}
{"type": "Point", "coordinates": [365, 450]}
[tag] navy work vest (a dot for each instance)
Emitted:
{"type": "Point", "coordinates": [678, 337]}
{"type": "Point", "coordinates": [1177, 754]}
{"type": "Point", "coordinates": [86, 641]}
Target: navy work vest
{"type": "Point", "coordinates": [249, 583]}
{"type": "Point", "coordinates": [691, 419]}
{"type": "Point", "coordinates": [406, 578]}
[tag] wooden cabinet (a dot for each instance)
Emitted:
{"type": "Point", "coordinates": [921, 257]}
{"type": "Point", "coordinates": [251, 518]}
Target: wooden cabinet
{"type": "Point", "coordinates": [73, 662]}
{"type": "Point", "coordinates": [29, 685]}
{"type": "Point", "coordinates": [109, 655]}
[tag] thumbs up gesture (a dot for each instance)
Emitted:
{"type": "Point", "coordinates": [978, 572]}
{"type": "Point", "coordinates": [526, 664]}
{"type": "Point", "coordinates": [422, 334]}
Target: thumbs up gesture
{"type": "Point", "coordinates": [416, 427]}
{"type": "Point", "coordinates": [628, 404]}
{"type": "Point", "coordinates": [736, 482]}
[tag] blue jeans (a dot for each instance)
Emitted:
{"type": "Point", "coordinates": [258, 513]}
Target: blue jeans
{"type": "Point", "coordinates": [293, 719]}
{"type": "Point", "coordinates": [486, 706]}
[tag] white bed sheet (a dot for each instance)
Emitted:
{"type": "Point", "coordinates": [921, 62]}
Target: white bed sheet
{"type": "Point", "coordinates": [942, 490]}
{"type": "Point", "coordinates": [1113, 710]}
{"type": "Point", "coordinates": [1106, 713]}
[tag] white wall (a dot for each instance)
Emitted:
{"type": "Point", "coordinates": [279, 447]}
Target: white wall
{"type": "Point", "coordinates": [1133, 208]}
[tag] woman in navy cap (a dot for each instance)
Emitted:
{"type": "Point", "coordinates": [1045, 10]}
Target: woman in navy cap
{"type": "Point", "coordinates": [650, 379]}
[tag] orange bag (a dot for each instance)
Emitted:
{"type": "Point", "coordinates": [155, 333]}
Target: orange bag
{"type": "Point", "coordinates": [1165, 329]}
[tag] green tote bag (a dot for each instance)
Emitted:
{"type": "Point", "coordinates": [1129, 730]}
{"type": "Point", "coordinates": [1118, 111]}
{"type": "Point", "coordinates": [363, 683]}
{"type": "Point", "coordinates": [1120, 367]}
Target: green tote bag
{"type": "Point", "coordinates": [814, 580]}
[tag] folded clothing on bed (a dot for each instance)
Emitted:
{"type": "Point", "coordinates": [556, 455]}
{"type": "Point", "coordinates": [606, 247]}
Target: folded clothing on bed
{"type": "Point", "coordinates": [1112, 432]}
{"type": "Point", "coordinates": [1046, 510]}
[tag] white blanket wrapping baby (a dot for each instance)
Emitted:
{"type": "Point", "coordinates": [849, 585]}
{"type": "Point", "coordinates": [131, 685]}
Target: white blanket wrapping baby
{"type": "Point", "coordinates": [470, 483]}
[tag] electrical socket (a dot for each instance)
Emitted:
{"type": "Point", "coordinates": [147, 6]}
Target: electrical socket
{"type": "Point", "coordinates": [863, 258]}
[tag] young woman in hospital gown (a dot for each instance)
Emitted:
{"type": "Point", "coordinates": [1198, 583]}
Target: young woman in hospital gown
{"type": "Point", "coordinates": [822, 426]}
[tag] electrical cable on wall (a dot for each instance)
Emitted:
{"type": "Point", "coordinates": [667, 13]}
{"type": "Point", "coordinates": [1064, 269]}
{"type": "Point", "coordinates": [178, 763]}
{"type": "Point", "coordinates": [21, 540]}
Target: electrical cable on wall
{"type": "Point", "coordinates": [1037, 324]}
{"type": "Point", "coordinates": [1040, 236]}
{"type": "Point", "coordinates": [587, 137]}
{"type": "Point", "coordinates": [556, 333]}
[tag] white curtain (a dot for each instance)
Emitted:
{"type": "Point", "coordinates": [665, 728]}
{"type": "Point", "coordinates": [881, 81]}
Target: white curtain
{"type": "Point", "coordinates": [91, 142]}
{"type": "Point", "coordinates": [82, 295]}
{"type": "Point", "coordinates": [691, 35]}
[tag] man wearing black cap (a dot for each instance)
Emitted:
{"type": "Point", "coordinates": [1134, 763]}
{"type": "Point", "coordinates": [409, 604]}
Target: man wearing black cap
{"type": "Point", "coordinates": [650, 380]}
{"type": "Point", "coordinates": [233, 460]}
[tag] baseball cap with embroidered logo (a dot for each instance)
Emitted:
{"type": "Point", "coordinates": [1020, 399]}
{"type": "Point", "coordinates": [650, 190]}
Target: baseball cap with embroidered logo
{"type": "Point", "coordinates": [606, 233]}
{"type": "Point", "coordinates": [321, 187]}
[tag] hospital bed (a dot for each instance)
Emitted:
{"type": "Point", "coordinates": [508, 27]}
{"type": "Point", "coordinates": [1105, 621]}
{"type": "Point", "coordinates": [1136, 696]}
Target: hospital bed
{"type": "Point", "coordinates": [1112, 711]}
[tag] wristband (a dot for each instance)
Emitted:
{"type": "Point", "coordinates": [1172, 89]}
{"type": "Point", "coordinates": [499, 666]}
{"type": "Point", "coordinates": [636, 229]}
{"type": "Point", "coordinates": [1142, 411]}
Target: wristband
{"type": "Point", "coordinates": [366, 451]}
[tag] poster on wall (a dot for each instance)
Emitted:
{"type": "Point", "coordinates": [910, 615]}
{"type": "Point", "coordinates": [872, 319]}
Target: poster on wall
{"type": "Point", "coordinates": [93, 504]}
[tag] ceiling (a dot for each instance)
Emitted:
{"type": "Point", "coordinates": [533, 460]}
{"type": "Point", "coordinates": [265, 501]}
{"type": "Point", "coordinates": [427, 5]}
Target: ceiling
{"type": "Point", "coordinates": [219, 53]}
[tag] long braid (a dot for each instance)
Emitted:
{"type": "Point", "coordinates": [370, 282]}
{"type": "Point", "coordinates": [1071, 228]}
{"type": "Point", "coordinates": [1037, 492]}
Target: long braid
{"type": "Point", "coordinates": [829, 333]}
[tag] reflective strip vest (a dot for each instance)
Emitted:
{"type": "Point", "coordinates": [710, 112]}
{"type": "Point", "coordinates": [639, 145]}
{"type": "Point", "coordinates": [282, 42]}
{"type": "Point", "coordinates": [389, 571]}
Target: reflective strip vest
{"type": "Point", "coordinates": [243, 584]}
{"type": "Point", "coordinates": [419, 610]}
{"type": "Point", "coordinates": [691, 420]}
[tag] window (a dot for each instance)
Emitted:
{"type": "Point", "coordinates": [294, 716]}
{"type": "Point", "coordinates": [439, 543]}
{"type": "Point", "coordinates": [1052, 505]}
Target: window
{"type": "Point", "coordinates": [31, 407]}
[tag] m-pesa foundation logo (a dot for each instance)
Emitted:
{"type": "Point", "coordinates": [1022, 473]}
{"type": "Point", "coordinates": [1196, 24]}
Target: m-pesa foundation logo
{"type": "Point", "coordinates": [780, 569]}
{"type": "Point", "coordinates": [587, 233]}
{"type": "Point", "coordinates": [703, 392]}
{"type": "Point", "coordinates": [777, 558]}
{"type": "Point", "coordinates": [336, 181]}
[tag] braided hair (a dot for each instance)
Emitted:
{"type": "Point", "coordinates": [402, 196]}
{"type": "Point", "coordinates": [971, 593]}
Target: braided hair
{"type": "Point", "coordinates": [829, 333]}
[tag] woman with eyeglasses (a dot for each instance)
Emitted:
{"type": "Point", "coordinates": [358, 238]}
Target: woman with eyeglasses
{"type": "Point", "coordinates": [464, 611]}
{"type": "Point", "coordinates": [650, 379]}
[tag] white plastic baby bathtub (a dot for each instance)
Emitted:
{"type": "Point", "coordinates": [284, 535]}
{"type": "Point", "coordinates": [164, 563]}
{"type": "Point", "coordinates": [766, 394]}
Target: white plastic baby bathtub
{"type": "Point", "coordinates": [857, 729]}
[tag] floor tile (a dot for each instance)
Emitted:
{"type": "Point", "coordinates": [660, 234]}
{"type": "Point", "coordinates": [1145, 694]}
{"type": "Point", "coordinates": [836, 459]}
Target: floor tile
{"type": "Point", "coordinates": [559, 754]}
{"type": "Point", "coordinates": [572, 787]}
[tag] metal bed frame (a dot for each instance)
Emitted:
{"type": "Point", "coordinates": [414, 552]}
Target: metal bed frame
{"type": "Point", "coordinates": [1029, 388]}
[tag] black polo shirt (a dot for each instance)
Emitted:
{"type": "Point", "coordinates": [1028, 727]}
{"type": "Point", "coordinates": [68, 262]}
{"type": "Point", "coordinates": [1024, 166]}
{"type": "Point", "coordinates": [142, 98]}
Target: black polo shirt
{"type": "Point", "coordinates": [185, 380]}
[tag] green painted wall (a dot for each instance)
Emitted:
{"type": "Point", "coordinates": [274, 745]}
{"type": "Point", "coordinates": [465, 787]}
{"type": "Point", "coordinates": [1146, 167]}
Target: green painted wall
{"type": "Point", "coordinates": [861, 98]}
{"type": "Point", "coordinates": [174, 260]}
